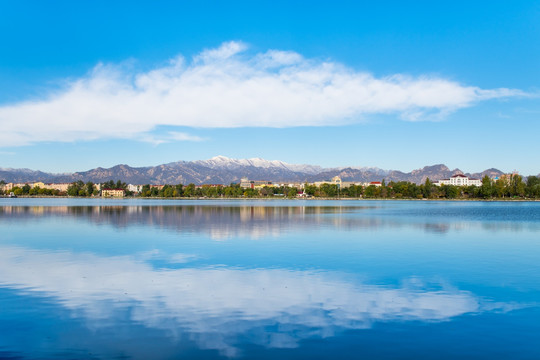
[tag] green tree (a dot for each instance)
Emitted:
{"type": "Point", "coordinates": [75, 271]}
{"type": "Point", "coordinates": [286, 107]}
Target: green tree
{"type": "Point", "coordinates": [179, 188]}
{"type": "Point", "coordinates": [108, 185]}
{"type": "Point", "coordinates": [75, 189]}
{"type": "Point", "coordinates": [427, 189]}
{"type": "Point", "coordinates": [517, 185]}
{"type": "Point", "coordinates": [533, 187]}
{"type": "Point", "coordinates": [189, 190]}
{"type": "Point", "coordinates": [251, 193]}
{"type": "Point", "coordinates": [145, 191]}
{"type": "Point", "coordinates": [450, 191]}
{"type": "Point", "coordinates": [328, 190]}
{"type": "Point", "coordinates": [499, 188]}
{"type": "Point", "coordinates": [383, 189]}
{"type": "Point", "coordinates": [310, 189]}
{"type": "Point", "coordinates": [356, 191]}
{"type": "Point", "coordinates": [89, 187]}
{"type": "Point", "coordinates": [486, 190]}
{"type": "Point", "coordinates": [229, 191]}
{"type": "Point", "coordinates": [267, 191]}
{"type": "Point", "coordinates": [292, 192]}
{"type": "Point", "coordinates": [371, 191]}
{"type": "Point", "coordinates": [167, 191]}
{"type": "Point", "coordinates": [26, 189]}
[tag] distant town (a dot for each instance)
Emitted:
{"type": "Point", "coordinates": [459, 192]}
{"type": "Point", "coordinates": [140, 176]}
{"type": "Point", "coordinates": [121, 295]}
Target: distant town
{"type": "Point", "coordinates": [458, 186]}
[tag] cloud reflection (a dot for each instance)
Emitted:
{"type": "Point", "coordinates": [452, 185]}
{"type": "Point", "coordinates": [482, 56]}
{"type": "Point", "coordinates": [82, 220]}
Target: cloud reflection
{"type": "Point", "coordinates": [216, 306]}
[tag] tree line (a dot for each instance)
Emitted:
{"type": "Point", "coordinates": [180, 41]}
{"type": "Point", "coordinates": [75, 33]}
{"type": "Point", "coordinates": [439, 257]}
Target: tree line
{"type": "Point", "coordinates": [511, 187]}
{"type": "Point", "coordinates": [507, 188]}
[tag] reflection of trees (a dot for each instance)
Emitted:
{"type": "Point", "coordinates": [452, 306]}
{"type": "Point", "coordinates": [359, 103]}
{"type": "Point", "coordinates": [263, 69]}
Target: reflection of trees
{"type": "Point", "coordinates": [222, 221]}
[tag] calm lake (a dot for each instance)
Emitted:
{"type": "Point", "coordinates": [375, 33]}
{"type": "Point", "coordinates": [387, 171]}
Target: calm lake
{"type": "Point", "coordinates": [136, 279]}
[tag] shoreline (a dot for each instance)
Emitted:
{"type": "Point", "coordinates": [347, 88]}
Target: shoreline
{"type": "Point", "coordinates": [263, 199]}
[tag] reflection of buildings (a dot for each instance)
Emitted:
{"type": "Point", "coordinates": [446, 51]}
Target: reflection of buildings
{"type": "Point", "coordinates": [223, 221]}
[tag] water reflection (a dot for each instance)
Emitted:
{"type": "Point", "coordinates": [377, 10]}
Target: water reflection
{"type": "Point", "coordinates": [337, 269]}
{"type": "Point", "coordinates": [222, 222]}
{"type": "Point", "coordinates": [216, 307]}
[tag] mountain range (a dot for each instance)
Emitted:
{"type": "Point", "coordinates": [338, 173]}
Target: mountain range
{"type": "Point", "coordinates": [223, 170]}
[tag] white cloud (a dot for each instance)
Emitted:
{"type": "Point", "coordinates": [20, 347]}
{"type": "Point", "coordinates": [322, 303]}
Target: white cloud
{"type": "Point", "coordinates": [228, 87]}
{"type": "Point", "coordinates": [169, 137]}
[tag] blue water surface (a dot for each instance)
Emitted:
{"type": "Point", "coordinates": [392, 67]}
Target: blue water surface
{"type": "Point", "coordinates": [156, 279]}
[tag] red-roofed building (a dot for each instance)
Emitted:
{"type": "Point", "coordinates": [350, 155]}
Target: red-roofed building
{"type": "Point", "coordinates": [459, 180]}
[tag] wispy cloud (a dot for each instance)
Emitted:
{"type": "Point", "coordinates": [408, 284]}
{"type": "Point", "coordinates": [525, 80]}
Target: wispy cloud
{"type": "Point", "coordinates": [171, 136]}
{"type": "Point", "coordinates": [229, 87]}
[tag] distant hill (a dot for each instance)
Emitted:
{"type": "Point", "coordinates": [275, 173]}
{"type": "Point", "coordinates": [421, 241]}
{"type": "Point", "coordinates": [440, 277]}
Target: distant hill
{"type": "Point", "coordinates": [223, 170]}
{"type": "Point", "coordinates": [25, 175]}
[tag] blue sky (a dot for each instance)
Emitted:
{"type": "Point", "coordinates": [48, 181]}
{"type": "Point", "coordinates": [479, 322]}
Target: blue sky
{"type": "Point", "coordinates": [390, 84]}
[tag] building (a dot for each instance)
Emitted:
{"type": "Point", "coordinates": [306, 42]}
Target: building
{"type": "Point", "coordinates": [291, 185]}
{"type": "Point", "coordinates": [113, 193]}
{"type": "Point", "coordinates": [373, 183]}
{"type": "Point", "coordinates": [336, 180]}
{"type": "Point", "coordinates": [245, 183]}
{"type": "Point", "coordinates": [208, 186]}
{"type": "Point", "coordinates": [135, 188]}
{"type": "Point", "coordinates": [507, 178]}
{"type": "Point", "coordinates": [6, 187]}
{"type": "Point", "coordinates": [63, 187]}
{"type": "Point", "coordinates": [459, 180]}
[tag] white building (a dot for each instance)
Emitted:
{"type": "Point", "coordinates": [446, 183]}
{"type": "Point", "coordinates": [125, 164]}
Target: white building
{"type": "Point", "coordinates": [336, 180]}
{"type": "Point", "coordinates": [374, 183]}
{"type": "Point", "coordinates": [135, 188]}
{"type": "Point", "coordinates": [459, 180]}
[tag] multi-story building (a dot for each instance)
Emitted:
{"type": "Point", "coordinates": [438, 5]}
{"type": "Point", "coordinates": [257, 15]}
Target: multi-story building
{"type": "Point", "coordinates": [58, 186]}
{"type": "Point", "coordinates": [63, 187]}
{"type": "Point", "coordinates": [113, 193]}
{"type": "Point", "coordinates": [459, 180]}
{"type": "Point", "coordinates": [336, 180]}
{"type": "Point", "coordinates": [6, 187]}
{"type": "Point", "coordinates": [135, 188]}
{"type": "Point", "coordinates": [245, 183]}
{"type": "Point", "coordinates": [373, 183]}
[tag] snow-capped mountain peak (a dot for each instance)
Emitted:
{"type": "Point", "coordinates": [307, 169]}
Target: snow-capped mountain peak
{"type": "Point", "coordinates": [226, 163]}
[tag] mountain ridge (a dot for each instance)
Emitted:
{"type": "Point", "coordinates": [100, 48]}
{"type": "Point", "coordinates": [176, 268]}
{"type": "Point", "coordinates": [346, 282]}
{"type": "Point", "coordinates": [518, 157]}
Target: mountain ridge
{"type": "Point", "coordinates": [224, 170]}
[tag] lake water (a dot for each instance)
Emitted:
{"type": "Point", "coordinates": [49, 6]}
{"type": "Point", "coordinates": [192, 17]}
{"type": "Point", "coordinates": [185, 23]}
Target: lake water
{"type": "Point", "coordinates": [135, 279]}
